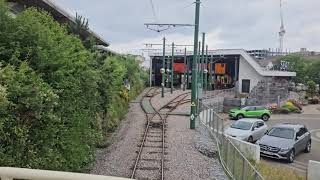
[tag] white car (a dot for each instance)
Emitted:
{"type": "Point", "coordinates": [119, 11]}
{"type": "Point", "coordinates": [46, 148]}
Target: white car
{"type": "Point", "coordinates": [249, 130]}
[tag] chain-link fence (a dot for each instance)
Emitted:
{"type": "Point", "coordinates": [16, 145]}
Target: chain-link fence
{"type": "Point", "coordinates": [237, 166]}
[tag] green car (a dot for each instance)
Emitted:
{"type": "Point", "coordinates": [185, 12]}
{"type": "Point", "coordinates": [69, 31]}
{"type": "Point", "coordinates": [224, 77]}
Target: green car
{"type": "Point", "coordinates": [250, 112]}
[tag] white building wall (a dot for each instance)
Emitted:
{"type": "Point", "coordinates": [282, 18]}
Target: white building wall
{"type": "Point", "coordinates": [246, 71]}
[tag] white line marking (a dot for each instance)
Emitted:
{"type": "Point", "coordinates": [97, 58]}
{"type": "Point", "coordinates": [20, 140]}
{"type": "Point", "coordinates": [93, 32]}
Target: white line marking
{"type": "Point", "coordinates": [315, 135]}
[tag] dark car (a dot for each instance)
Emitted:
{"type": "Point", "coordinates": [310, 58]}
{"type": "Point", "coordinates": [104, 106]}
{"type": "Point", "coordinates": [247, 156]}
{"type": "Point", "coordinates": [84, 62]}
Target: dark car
{"type": "Point", "coordinates": [285, 141]}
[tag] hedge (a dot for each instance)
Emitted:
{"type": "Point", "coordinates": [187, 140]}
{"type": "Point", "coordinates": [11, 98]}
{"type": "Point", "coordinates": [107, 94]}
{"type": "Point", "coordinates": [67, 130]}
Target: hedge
{"type": "Point", "coordinates": [58, 99]}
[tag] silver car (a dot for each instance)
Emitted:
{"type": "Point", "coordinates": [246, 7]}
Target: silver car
{"type": "Point", "coordinates": [285, 141]}
{"type": "Point", "coordinates": [247, 129]}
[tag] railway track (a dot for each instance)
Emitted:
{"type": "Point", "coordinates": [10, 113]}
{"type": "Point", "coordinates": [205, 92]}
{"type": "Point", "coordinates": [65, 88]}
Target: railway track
{"type": "Point", "coordinates": [150, 161]}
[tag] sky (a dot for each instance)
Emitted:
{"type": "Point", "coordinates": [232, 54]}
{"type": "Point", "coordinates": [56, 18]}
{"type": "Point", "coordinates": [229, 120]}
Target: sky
{"type": "Point", "coordinates": [228, 24]}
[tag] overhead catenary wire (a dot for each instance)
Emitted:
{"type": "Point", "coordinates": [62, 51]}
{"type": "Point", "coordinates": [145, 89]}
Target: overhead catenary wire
{"type": "Point", "coordinates": [158, 27]}
{"type": "Point", "coordinates": [154, 11]}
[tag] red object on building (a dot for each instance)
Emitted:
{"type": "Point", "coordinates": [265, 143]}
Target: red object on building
{"type": "Point", "coordinates": [220, 68]}
{"type": "Point", "coordinates": [178, 67]}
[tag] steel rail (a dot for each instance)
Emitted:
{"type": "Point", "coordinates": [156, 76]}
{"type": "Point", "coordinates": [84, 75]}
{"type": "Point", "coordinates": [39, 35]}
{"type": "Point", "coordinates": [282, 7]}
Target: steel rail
{"type": "Point", "coordinates": [149, 119]}
{"type": "Point", "coordinates": [180, 99]}
{"type": "Point", "coordinates": [144, 136]}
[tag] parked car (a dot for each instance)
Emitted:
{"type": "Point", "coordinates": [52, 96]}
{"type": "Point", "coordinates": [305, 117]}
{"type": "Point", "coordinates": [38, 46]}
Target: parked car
{"type": "Point", "coordinates": [285, 141]}
{"type": "Point", "coordinates": [247, 129]}
{"type": "Point", "coordinates": [250, 112]}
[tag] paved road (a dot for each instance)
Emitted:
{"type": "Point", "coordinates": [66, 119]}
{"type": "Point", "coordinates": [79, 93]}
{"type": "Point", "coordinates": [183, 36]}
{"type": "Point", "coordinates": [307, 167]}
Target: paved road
{"type": "Point", "coordinates": [311, 118]}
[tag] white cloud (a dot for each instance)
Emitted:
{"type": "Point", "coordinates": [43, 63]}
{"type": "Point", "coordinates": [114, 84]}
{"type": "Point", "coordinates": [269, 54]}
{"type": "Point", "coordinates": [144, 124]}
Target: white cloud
{"type": "Point", "coordinates": [230, 23]}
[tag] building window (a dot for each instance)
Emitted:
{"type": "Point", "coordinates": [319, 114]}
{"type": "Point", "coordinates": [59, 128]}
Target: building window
{"type": "Point", "coordinates": [245, 86]}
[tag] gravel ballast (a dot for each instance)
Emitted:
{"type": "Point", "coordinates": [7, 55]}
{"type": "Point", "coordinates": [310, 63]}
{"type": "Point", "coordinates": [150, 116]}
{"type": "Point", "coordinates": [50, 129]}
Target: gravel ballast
{"type": "Point", "coordinates": [190, 154]}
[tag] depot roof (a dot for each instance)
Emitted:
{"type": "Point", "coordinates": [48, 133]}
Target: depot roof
{"type": "Point", "coordinates": [251, 61]}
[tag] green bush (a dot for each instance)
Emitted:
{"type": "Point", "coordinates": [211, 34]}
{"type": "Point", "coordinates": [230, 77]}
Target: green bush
{"type": "Point", "coordinates": [273, 172]}
{"type": "Point", "coordinates": [292, 109]}
{"type": "Point", "coordinates": [58, 99]}
{"type": "Point", "coordinates": [281, 110]}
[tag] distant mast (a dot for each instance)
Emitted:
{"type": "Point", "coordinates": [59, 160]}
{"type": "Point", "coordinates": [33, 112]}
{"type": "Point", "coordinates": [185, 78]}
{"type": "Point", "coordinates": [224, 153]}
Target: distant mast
{"type": "Point", "coordinates": [282, 30]}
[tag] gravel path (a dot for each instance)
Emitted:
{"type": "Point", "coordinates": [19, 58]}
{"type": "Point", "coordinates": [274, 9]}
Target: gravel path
{"type": "Point", "coordinates": [187, 152]}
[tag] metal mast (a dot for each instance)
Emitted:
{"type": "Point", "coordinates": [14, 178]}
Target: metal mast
{"type": "Point", "coordinates": [282, 30]}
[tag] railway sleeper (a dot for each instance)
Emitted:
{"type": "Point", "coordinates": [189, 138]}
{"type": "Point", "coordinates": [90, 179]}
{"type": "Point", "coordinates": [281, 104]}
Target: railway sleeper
{"type": "Point", "coordinates": [156, 152]}
{"type": "Point", "coordinates": [150, 146]}
{"type": "Point", "coordinates": [155, 124]}
{"type": "Point", "coordinates": [153, 136]}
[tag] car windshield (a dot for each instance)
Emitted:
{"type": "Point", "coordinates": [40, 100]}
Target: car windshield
{"type": "Point", "coordinates": [241, 125]}
{"type": "Point", "coordinates": [285, 133]}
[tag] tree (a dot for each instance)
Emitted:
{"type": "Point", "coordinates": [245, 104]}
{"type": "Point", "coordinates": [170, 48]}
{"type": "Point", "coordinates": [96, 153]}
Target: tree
{"type": "Point", "coordinates": [311, 88]}
{"type": "Point", "coordinates": [298, 65]}
{"type": "Point", "coordinates": [80, 28]}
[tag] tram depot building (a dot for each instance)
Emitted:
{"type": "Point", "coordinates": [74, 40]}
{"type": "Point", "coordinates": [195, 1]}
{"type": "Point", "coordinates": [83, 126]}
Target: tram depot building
{"type": "Point", "coordinates": [228, 68]}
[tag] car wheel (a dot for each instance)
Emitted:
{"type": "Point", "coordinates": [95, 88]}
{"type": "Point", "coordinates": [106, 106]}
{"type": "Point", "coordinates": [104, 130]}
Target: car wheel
{"type": "Point", "coordinates": [308, 147]}
{"type": "Point", "coordinates": [240, 116]}
{"type": "Point", "coordinates": [291, 156]}
{"type": "Point", "coordinates": [250, 139]}
{"type": "Point", "coordinates": [265, 117]}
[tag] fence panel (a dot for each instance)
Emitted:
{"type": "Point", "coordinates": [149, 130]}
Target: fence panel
{"type": "Point", "coordinates": [236, 165]}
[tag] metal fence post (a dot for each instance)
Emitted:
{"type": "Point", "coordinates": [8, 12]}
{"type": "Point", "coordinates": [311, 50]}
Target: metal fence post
{"type": "Point", "coordinates": [222, 129]}
{"type": "Point", "coordinates": [217, 124]}
{"type": "Point", "coordinates": [234, 161]}
{"type": "Point", "coordinates": [210, 115]}
{"type": "Point", "coordinates": [210, 121]}
{"type": "Point", "coordinates": [243, 169]}
{"type": "Point", "coordinates": [226, 152]}
{"type": "Point", "coordinates": [201, 111]}
{"type": "Point", "coordinates": [255, 175]}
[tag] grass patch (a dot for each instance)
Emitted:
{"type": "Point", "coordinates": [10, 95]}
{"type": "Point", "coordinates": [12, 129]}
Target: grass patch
{"type": "Point", "coordinates": [270, 172]}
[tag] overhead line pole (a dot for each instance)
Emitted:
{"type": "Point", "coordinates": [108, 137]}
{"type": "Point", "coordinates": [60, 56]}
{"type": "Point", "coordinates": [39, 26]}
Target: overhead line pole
{"type": "Point", "coordinates": [194, 101]}
{"type": "Point", "coordinates": [211, 73]}
{"type": "Point", "coordinates": [198, 75]}
{"type": "Point", "coordinates": [202, 64]}
{"type": "Point", "coordinates": [199, 92]}
{"type": "Point", "coordinates": [184, 70]}
{"type": "Point", "coordinates": [188, 73]}
{"type": "Point", "coordinates": [168, 72]}
{"type": "Point", "coordinates": [163, 70]}
{"type": "Point", "coordinates": [206, 70]}
{"type": "Point", "coordinates": [202, 58]}
{"type": "Point", "coordinates": [172, 62]}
